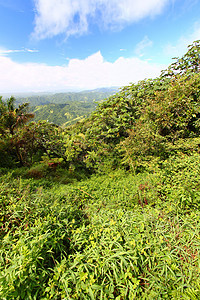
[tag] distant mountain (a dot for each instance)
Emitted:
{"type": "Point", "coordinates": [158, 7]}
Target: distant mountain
{"type": "Point", "coordinates": [60, 98]}
{"type": "Point", "coordinates": [66, 108]}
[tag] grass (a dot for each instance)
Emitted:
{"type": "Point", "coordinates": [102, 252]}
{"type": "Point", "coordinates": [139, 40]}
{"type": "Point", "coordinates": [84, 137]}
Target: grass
{"type": "Point", "coordinates": [113, 236]}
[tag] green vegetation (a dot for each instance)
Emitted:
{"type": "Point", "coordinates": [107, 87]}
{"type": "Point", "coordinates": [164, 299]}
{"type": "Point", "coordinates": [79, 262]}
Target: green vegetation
{"type": "Point", "coordinates": [107, 208]}
{"type": "Point", "coordinates": [64, 114]}
{"type": "Point", "coordinates": [66, 108]}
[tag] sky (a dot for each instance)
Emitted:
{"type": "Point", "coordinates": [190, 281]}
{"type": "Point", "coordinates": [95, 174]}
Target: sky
{"type": "Point", "coordinates": [71, 45]}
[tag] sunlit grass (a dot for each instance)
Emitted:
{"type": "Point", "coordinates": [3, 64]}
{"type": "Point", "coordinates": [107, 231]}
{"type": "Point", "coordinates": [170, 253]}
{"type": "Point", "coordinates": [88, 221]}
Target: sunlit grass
{"type": "Point", "coordinates": [113, 236]}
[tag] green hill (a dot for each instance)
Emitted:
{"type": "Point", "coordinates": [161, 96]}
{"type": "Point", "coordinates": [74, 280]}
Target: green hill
{"type": "Point", "coordinates": [64, 114]}
{"type": "Point", "coordinates": [66, 108]}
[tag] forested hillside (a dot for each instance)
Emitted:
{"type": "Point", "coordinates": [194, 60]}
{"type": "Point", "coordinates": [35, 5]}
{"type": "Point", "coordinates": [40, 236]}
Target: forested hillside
{"type": "Point", "coordinates": [107, 208]}
{"type": "Point", "coordinates": [64, 114]}
{"type": "Point", "coordinates": [66, 108]}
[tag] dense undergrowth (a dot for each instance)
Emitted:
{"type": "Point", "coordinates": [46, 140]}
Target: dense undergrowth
{"type": "Point", "coordinates": [113, 236]}
{"type": "Point", "coordinates": [107, 208]}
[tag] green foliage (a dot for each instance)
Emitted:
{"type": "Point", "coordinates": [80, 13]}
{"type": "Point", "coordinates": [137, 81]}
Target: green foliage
{"type": "Point", "coordinates": [189, 63]}
{"type": "Point", "coordinates": [133, 255]}
{"type": "Point", "coordinates": [117, 236]}
{"type": "Point", "coordinates": [175, 112]}
{"type": "Point", "coordinates": [180, 181]}
{"type": "Point", "coordinates": [143, 146]}
{"type": "Point", "coordinates": [11, 121]}
{"type": "Point", "coordinates": [10, 117]}
{"type": "Point", "coordinates": [35, 235]}
{"type": "Point", "coordinates": [129, 230]}
{"type": "Point", "coordinates": [34, 140]}
{"type": "Point", "coordinates": [135, 126]}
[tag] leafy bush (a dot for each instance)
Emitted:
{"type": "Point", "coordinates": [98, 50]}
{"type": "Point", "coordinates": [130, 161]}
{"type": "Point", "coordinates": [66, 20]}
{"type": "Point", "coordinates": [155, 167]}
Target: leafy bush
{"type": "Point", "coordinates": [179, 181]}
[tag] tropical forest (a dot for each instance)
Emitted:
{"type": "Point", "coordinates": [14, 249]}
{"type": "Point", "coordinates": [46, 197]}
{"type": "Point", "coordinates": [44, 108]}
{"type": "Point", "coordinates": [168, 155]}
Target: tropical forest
{"type": "Point", "coordinates": [102, 202]}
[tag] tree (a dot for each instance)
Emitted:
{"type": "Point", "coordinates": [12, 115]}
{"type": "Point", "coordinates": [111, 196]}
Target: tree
{"type": "Point", "coordinates": [12, 118]}
{"type": "Point", "coordinates": [189, 63]}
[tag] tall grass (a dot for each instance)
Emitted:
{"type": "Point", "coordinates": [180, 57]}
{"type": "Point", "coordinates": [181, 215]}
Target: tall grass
{"type": "Point", "coordinates": [115, 236]}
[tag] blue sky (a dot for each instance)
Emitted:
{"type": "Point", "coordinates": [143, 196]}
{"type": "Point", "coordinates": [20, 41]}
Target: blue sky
{"type": "Point", "coordinates": [61, 45]}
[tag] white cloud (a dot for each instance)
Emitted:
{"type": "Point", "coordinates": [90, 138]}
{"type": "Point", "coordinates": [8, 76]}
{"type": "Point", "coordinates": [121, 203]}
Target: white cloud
{"type": "Point", "coordinates": [9, 51]}
{"type": "Point", "coordinates": [30, 50]}
{"type": "Point", "coordinates": [141, 46]}
{"type": "Point", "coordinates": [73, 16]}
{"type": "Point", "coordinates": [180, 48]}
{"type": "Point", "coordinates": [89, 73]}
